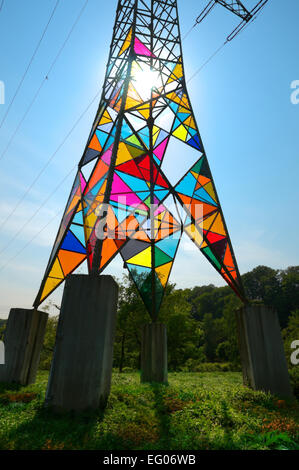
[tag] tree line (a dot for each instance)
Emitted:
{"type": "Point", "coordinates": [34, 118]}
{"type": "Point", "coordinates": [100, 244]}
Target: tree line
{"type": "Point", "coordinates": [200, 321]}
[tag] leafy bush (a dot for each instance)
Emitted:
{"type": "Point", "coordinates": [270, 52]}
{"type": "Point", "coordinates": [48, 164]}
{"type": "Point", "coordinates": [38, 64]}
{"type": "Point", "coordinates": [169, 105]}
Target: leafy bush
{"type": "Point", "coordinates": [128, 370]}
{"type": "Point", "coordinates": [49, 343]}
{"type": "Point", "coordinates": [194, 366]}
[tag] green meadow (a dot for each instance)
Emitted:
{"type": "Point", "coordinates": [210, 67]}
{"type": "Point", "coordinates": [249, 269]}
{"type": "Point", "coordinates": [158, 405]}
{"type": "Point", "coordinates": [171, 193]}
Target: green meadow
{"type": "Point", "coordinates": [196, 411]}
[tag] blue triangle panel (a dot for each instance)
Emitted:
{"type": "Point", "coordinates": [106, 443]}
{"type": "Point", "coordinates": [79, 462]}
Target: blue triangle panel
{"type": "Point", "coordinates": [102, 136]}
{"type": "Point", "coordinates": [169, 245]}
{"type": "Point", "coordinates": [195, 142]}
{"type": "Point", "coordinates": [78, 218]}
{"type": "Point", "coordinates": [135, 184]}
{"type": "Point", "coordinates": [187, 185]}
{"type": "Point", "coordinates": [78, 231]}
{"type": "Point", "coordinates": [70, 243]}
{"type": "Point", "coordinates": [204, 196]}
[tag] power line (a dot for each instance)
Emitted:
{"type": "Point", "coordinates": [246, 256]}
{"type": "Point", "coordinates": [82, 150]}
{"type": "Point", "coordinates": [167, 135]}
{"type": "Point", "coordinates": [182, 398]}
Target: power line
{"type": "Point", "coordinates": [37, 210]}
{"type": "Point", "coordinates": [1, 5]}
{"type": "Point", "coordinates": [207, 61]}
{"type": "Point", "coordinates": [253, 20]}
{"type": "Point", "coordinates": [257, 14]}
{"type": "Point", "coordinates": [44, 80]}
{"type": "Point", "coordinates": [201, 17]}
{"type": "Point", "coordinates": [189, 32]}
{"type": "Point", "coordinates": [22, 119]}
{"type": "Point", "coordinates": [29, 63]}
{"type": "Point", "coordinates": [227, 41]}
{"type": "Point", "coordinates": [29, 242]}
{"type": "Point", "coordinates": [67, 38]}
{"type": "Point", "coordinates": [38, 176]}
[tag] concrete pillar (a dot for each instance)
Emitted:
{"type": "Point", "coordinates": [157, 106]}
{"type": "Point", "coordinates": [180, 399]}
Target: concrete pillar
{"type": "Point", "coordinates": [261, 348]}
{"type": "Point", "coordinates": [154, 353]}
{"type": "Point", "coordinates": [23, 340]}
{"type": "Point", "coordinates": [81, 368]}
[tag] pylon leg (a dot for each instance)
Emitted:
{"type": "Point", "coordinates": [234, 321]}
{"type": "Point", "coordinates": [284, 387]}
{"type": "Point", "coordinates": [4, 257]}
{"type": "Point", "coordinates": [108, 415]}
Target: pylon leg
{"type": "Point", "coordinates": [154, 353]}
{"type": "Point", "coordinates": [262, 353]}
{"type": "Point", "coordinates": [81, 368]}
{"type": "Point", "coordinates": [23, 341]}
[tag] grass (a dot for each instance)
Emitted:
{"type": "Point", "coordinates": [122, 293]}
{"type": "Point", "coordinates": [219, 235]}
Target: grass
{"type": "Point", "coordinates": [195, 411]}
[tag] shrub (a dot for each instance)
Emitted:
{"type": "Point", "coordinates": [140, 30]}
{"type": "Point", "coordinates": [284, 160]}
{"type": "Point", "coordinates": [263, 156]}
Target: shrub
{"type": "Point", "coordinates": [6, 398]}
{"type": "Point", "coordinates": [128, 370]}
{"type": "Point", "coordinates": [193, 366]}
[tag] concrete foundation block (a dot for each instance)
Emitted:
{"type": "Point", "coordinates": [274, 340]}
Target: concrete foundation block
{"type": "Point", "coordinates": [154, 353]}
{"type": "Point", "coordinates": [81, 368]}
{"type": "Point", "coordinates": [261, 348]}
{"type": "Point", "coordinates": [23, 340]}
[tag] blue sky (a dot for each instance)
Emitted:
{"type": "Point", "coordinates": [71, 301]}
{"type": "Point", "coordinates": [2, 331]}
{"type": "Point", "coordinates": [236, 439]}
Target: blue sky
{"type": "Point", "coordinates": [242, 104]}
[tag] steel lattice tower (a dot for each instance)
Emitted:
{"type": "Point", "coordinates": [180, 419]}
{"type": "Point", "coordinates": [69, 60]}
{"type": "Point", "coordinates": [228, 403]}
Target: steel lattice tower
{"type": "Point", "coordinates": [120, 185]}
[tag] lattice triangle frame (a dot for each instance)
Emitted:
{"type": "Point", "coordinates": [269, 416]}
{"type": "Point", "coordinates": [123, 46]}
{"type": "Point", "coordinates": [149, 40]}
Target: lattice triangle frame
{"type": "Point", "coordinates": [120, 185]}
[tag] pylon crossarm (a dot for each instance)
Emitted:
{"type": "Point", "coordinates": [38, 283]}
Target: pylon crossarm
{"type": "Point", "coordinates": [236, 7]}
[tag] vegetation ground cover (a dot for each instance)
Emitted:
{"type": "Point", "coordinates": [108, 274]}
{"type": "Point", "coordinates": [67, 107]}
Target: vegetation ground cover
{"type": "Point", "coordinates": [196, 411]}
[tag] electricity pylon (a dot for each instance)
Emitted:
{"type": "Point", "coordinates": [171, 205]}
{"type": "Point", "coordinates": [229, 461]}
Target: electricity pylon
{"type": "Point", "coordinates": [119, 202]}
{"type": "Point", "coordinates": [237, 8]}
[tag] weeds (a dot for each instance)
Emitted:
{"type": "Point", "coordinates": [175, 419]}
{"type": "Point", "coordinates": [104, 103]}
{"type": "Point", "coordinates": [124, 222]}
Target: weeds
{"type": "Point", "coordinates": [210, 410]}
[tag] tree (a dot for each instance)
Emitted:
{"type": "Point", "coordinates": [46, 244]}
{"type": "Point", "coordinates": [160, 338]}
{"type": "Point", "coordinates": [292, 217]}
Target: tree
{"type": "Point", "coordinates": [262, 284]}
{"type": "Point", "coordinates": [200, 299]}
{"type": "Point", "coordinates": [131, 317]}
{"type": "Point", "coordinates": [289, 298]}
{"type": "Point", "coordinates": [201, 323]}
{"type": "Point", "coordinates": [229, 348]}
{"type": "Point", "coordinates": [276, 288]}
{"type": "Point", "coordinates": [184, 333]}
{"type": "Point", "coordinates": [212, 335]}
{"type": "Point", "coordinates": [2, 329]}
{"type": "Point", "coordinates": [49, 343]}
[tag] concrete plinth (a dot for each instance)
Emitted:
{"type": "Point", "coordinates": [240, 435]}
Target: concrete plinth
{"type": "Point", "coordinates": [261, 348]}
{"type": "Point", "coordinates": [154, 353]}
{"type": "Point", "coordinates": [81, 368]}
{"type": "Point", "coordinates": [23, 340]}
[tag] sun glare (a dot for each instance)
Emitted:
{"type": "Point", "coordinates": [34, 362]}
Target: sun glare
{"type": "Point", "coordinates": [144, 81]}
